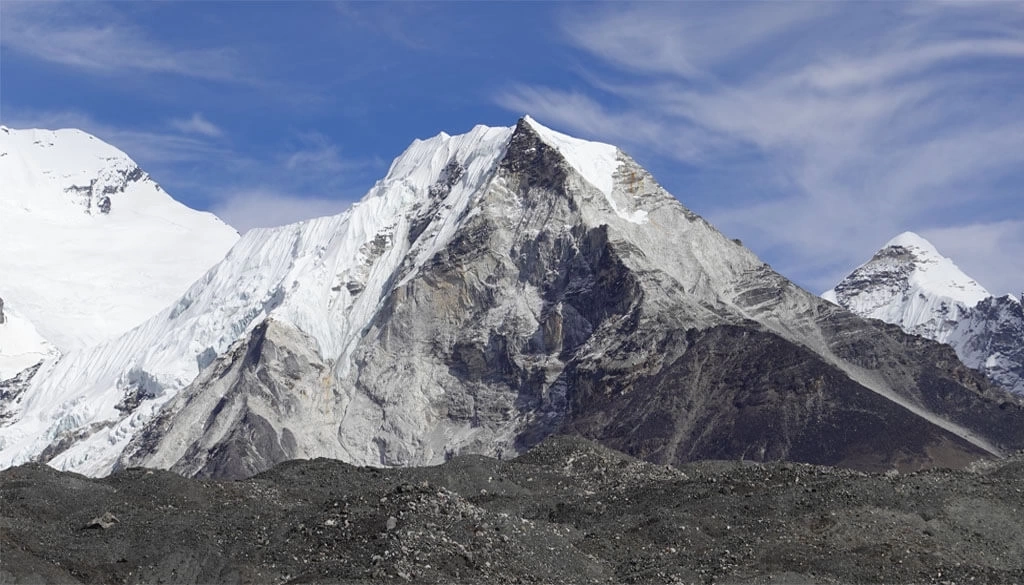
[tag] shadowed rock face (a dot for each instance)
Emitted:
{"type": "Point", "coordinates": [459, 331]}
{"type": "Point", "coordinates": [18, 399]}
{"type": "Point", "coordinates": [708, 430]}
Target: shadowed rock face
{"type": "Point", "coordinates": [741, 394]}
{"type": "Point", "coordinates": [551, 311]}
{"type": "Point", "coordinates": [568, 511]}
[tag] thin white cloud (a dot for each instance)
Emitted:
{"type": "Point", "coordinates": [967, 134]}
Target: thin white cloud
{"type": "Point", "coordinates": [143, 145]}
{"type": "Point", "coordinates": [584, 115]}
{"type": "Point", "coordinates": [247, 209]}
{"type": "Point", "coordinates": [317, 164]}
{"type": "Point", "coordinates": [317, 154]}
{"type": "Point", "coordinates": [974, 245]}
{"type": "Point", "coordinates": [73, 36]}
{"type": "Point", "coordinates": [874, 121]}
{"type": "Point", "coordinates": [197, 124]}
{"type": "Point", "coordinates": [688, 44]}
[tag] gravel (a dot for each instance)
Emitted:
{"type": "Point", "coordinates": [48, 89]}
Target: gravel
{"type": "Point", "coordinates": [568, 511]}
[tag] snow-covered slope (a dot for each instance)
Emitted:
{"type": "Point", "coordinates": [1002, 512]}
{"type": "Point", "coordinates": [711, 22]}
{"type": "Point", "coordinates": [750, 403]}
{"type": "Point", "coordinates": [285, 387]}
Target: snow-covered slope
{"type": "Point", "coordinates": [910, 284]}
{"type": "Point", "coordinates": [21, 346]}
{"type": "Point", "coordinates": [487, 282]}
{"type": "Point", "coordinates": [90, 246]}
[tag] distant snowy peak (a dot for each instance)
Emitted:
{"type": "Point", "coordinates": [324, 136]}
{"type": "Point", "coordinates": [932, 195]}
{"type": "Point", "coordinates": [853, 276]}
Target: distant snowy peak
{"type": "Point", "coordinates": [936, 273]}
{"type": "Point", "coordinates": [51, 168]}
{"type": "Point", "coordinates": [90, 245]}
{"type": "Point", "coordinates": [909, 283]}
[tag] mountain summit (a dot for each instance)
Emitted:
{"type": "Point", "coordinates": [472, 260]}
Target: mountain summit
{"type": "Point", "coordinates": [91, 246]}
{"type": "Point", "coordinates": [495, 288]}
{"type": "Point", "coordinates": [910, 284]}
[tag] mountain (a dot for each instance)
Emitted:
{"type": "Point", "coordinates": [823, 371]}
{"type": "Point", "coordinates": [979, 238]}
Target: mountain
{"type": "Point", "coordinates": [91, 245]}
{"type": "Point", "coordinates": [910, 284]}
{"type": "Point", "coordinates": [495, 288]}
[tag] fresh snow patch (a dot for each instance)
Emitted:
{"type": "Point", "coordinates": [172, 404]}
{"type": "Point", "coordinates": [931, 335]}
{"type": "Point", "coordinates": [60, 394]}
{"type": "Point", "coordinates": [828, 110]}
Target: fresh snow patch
{"type": "Point", "coordinates": [21, 346]}
{"type": "Point", "coordinates": [596, 161]}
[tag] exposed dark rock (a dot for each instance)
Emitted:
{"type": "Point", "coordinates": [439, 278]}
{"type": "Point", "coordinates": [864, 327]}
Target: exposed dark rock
{"type": "Point", "coordinates": [744, 394]}
{"type": "Point", "coordinates": [12, 389]}
{"type": "Point", "coordinates": [103, 203]}
{"type": "Point", "coordinates": [230, 436]}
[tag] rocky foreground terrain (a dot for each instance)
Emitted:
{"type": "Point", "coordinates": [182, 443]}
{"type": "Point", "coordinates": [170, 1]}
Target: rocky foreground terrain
{"type": "Point", "coordinates": [568, 511]}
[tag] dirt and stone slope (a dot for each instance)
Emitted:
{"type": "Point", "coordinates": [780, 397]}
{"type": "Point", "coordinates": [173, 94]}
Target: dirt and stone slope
{"type": "Point", "coordinates": [568, 511]}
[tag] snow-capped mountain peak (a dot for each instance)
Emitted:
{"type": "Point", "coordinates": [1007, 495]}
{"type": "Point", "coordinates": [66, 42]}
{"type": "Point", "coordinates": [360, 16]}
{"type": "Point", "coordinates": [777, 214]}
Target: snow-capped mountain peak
{"type": "Point", "coordinates": [909, 283]}
{"type": "Point", "coordinates": [91, 246]}
{"type": "Point", "coordinates": [595, 161]}
{"type": "Point", "coordinates": [936, 273]}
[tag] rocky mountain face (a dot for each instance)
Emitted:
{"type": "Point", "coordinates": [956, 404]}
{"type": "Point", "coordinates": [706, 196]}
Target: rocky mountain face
{"type": "Point", "coordinates": [91, 246]}
{"type": "Point", "coordinates": [991, 338]}
{"type": "Point", "coordinates": [494, 289]}
{"type": "Point", "coordinates": [910, 284]}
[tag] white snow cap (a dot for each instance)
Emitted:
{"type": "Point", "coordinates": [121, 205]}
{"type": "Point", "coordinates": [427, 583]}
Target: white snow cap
{"type": "Point", "coordinates": [922, 291]}
{"type": "Point", "coordinates": [937, 273]}
{"type": "Point", "coordinates": [596, 161]}
{"type": "Point", "coordinates": [79, 273]}
{"type": "Point", "coordinates": [913, 240]}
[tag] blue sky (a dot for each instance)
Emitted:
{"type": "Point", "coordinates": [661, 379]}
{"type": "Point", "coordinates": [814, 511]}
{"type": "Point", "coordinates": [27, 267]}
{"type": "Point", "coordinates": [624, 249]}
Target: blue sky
{"type": "Point", "coordinates": [812, 131]}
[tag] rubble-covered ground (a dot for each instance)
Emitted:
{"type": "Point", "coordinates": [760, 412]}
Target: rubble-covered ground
{"type": "Point", "coordinates": [566, 512]}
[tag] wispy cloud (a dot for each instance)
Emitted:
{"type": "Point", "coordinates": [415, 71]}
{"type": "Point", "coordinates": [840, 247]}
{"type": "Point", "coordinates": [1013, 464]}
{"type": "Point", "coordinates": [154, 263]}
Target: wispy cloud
{"type": "Point", "coordinates": [247, 209]}
{"type": "Point", "coordinates": [998, 239]}
{"type": "Point", "coordinates": [317, 154]}
{"type": "Point", "coordinates": [690, 44]}
{"type": "Point", "coordinates": [197, 124]}
{"type": "Point", "coordinates": [70, 35]}
{"type": "Point", "coordinates": [147, 146]}
{"type": "Point", "coordinates": [872, 120]}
